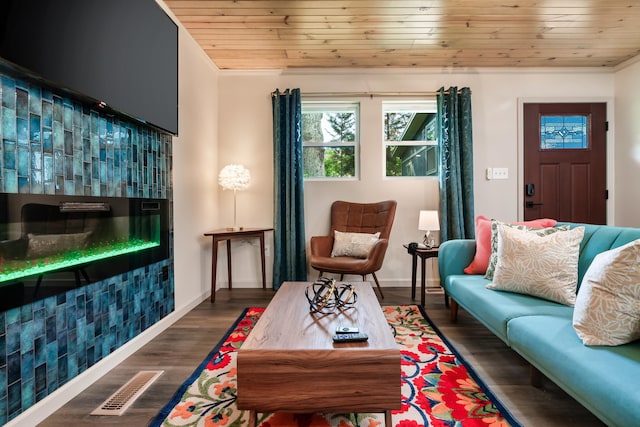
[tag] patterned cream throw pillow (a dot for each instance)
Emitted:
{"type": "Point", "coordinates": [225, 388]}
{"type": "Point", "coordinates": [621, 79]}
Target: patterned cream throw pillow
{"type": "Point", "coordinates": [607, 310]}
{"type": "Point", "coordinates": [542, 266]}
{"type": "Point", "coordinates": [494, 240]}
{"type": "Point", "coordinates": [355, 245]}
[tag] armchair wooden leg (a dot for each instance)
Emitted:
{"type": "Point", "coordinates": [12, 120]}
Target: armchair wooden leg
{"type": "Point", "coordinates": [378, 284]}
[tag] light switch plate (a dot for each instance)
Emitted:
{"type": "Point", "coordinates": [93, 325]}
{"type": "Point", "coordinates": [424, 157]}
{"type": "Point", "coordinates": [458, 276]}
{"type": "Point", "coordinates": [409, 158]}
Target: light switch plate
{"type": "Point", "coordinates": [497, 173]}
{"type": "Point", "coordinates": [500, 173]}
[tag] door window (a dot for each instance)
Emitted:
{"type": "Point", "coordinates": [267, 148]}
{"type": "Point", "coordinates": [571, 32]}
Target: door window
{"type": "Point", "coordinates": [564, 132]}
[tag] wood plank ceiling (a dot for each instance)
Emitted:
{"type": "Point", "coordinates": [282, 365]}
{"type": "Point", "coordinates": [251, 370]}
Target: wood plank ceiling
{"type": "Point", "coordinates": [259, 34]}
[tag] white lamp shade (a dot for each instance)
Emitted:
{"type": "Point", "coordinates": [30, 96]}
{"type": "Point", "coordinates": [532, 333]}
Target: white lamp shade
{"type": "Point", "coordinates": [428, 221]}
{"type": "Point", "coordinates": [234, 177]}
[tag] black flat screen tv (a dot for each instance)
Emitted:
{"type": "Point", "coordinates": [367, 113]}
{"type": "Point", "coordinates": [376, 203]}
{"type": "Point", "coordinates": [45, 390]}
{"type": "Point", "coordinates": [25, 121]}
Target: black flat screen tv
{"type": "Point", "coordinates": [122, 54]}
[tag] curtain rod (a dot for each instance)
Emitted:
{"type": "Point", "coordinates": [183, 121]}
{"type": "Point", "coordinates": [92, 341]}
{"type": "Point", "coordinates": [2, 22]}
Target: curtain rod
{"type": "Point", "coordinates": [367, 94]}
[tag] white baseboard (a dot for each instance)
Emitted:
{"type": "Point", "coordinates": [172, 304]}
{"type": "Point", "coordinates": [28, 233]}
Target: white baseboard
{"type": "Point", "coordinates": [406, 283]}
{"type": "Point", "coordinates": [41, 410]}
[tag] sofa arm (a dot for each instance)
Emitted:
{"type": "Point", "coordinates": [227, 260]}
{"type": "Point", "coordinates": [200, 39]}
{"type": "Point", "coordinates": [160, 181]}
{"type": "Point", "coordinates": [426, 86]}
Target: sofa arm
{"type": "Point", "coordinates": [454, 256]}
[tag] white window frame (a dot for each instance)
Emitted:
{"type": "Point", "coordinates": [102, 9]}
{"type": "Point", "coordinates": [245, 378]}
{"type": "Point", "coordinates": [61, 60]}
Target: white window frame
{"type": "Point", "coordinates": [414, 106]}
{"type": "Point", "coordinates": [336, 106]}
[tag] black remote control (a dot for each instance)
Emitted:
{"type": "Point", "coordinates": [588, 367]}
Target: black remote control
{"type": "Point", "coordinates": [347, 330]}
{"type": "Point", "coordinates": [357, 337]}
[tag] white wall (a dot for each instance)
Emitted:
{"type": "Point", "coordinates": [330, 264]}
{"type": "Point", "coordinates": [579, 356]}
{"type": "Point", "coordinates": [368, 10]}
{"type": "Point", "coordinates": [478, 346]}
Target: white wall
{"type": "Point", "coordinates": [195, 170]}
{"type": "Point", "coordinates": [246, 135]}
{"type": "Point", "coordinates": [627, 160]}
{"type": "Point", "coordinates": [195, 151]}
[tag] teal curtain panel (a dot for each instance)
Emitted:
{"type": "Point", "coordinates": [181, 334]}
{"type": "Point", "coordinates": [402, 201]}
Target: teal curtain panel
{"type": "Point", "coordinates": [289, 243]}
{"type": "Point", "coordinates": [456, 164]}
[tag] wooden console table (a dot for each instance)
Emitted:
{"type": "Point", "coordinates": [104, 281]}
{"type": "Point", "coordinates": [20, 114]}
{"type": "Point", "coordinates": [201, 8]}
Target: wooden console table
{"type": "Point", "coordinates": [228, 235]}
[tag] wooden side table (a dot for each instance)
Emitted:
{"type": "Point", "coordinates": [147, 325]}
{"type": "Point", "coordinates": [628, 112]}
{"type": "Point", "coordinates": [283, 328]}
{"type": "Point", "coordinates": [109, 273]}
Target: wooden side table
{"type": "Point", "coordinates": [423, 254]}
{"type": "Point", "coordinates": [228, 235]}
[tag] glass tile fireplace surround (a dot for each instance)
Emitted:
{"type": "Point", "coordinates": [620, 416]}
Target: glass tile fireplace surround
{"type": "Point", "coordinates": [54, 144]}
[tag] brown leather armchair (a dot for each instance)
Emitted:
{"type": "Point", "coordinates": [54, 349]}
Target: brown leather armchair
{"type": "Point", "coordinates": [355, 218]}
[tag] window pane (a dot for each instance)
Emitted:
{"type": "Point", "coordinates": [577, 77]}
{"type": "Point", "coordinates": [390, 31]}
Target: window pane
{"type": "Point", "coordinates": [410, 137]}
{"type": "Point", "coordinates": [330, 139]}
{"type": "Point", "coordinates": [328, 127]}
{"type": "Point", "coordinates": [409, 126]}
{"type": "Point", "coordinates": [412, 160]}
{"type": "Point", "coordinates": [334, 162]}
{"type": "Point", "coordinates": [563, 132]}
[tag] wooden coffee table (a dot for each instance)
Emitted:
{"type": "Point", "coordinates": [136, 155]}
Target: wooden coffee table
{"type": "Point", "coordinates": [289, 362]}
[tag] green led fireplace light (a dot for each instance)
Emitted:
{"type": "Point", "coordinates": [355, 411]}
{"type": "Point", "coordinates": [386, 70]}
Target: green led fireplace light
{"type": "Point", "coordinates": [70, 259]}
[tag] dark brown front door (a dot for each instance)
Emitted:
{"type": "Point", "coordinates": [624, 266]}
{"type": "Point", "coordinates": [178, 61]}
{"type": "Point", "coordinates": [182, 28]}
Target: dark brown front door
{"type": "Point", "coordinates": [565, 159]}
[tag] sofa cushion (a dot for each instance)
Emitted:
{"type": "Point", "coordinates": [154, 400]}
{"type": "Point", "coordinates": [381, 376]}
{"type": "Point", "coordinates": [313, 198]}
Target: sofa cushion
{"type": "Point", "coordinates": [607, 310]}
{"type": "Point", "coordinates": [355, 245]}
{"type": "Point", "coordinates": [598, 238]}
{"type": "Point", "coordinates": [495, 309]}
{"type": "Point", "coordinates": [598, 377]}
{"type": "Point", "coordinates": [543, 266]}
{"type": "Point", "coordinates": [480, 261]}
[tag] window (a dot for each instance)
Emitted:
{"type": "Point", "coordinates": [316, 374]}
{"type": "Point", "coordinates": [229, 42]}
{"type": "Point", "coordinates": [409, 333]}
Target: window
{"type": "Point", "coordinates": [330, 136]}
{"type": "Point", "coordinates": [410, 138]}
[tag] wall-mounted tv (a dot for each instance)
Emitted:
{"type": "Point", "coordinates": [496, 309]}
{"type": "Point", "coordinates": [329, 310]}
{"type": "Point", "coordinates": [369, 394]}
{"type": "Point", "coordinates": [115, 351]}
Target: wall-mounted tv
{"type": "Point", "coordinates": [118, 53]}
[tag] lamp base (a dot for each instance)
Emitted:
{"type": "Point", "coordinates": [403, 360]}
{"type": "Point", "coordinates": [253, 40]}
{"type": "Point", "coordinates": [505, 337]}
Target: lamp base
{"type": "Point", "coordinates": [428, 242]}
{"type": "Point", "coordinates": [235, 228]}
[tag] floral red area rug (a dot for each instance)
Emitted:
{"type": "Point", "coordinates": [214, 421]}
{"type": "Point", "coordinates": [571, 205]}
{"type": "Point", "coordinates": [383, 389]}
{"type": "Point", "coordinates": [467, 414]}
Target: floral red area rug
{"type": "Point", "coordinates": [439, 388]}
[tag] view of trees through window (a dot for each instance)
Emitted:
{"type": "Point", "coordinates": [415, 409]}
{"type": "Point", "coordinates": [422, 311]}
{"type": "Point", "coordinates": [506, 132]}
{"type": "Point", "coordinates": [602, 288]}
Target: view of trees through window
{"type": "Point", "coordinates": [329, 137]}
{"type": "Point", "coordinates": [394, 127]}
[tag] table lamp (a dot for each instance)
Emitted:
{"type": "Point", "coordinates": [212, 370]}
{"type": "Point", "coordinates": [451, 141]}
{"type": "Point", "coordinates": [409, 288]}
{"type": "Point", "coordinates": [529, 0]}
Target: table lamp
{"type": "Point", "coordinates": [234, 177]}
{"type": "Point", "coordinates": [427, 222]}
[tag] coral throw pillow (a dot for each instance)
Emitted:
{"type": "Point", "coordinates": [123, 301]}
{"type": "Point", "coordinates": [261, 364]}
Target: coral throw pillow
{"type": "Point", "coordinates": [480, 261]}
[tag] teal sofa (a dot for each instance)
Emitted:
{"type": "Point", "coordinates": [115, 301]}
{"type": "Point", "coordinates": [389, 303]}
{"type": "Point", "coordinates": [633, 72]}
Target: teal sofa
{"type": "Point", "coordinates": [603, 379]}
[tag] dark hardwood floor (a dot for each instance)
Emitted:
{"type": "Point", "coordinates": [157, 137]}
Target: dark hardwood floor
{"type": "Point", "coordinates": [182, 347]}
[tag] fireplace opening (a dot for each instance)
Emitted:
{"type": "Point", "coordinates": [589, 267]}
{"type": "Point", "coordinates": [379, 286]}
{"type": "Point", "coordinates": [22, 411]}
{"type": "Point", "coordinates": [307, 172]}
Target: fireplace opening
{"type": "Point", "coordinates": [50, 244]}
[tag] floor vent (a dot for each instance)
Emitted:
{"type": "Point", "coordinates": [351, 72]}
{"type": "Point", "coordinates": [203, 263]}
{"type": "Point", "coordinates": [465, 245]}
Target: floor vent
{"type": "Point", "coordinates": [119, 401]}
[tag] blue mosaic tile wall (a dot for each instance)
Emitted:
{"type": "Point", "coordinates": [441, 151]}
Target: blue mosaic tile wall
{"type": "Point", "coordinates": [53, 144]}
